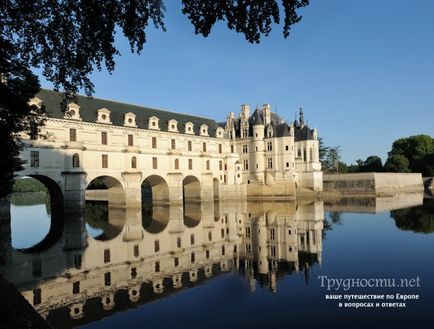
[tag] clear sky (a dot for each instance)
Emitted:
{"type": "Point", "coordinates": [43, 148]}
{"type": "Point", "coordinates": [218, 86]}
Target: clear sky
{"type": "Point", "coordinates": [362, 70]}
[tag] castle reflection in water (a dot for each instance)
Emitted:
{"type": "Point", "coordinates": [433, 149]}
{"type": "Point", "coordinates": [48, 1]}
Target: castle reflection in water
{"type": "Point", "coordinates": [141, 255]}
{"type": "Point", "coordinates": [79, 278]}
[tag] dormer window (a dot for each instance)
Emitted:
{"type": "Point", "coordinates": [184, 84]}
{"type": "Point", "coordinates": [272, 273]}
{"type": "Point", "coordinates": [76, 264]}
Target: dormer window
{"type": "Point", "coordinates": [219, 132]}
{"type": "Point", "coordinates": [189, 128]}
{"type": "Point", "coordinates": [204, 130]}
{"type": "Point", "coordinates": [153, 123]}
{"type": "Point", "coordinates": [72, 112]}
{"type": "Point", "coordinates": [104, 116]}
{"type": "Point", "coordinates": [130, 120]}
{"type": "Point", "coordinates": [36, 101]}
{"type": "Point", "coordinates": [172, 125]}
{"type": "Point", "coordinates": [270, 132]}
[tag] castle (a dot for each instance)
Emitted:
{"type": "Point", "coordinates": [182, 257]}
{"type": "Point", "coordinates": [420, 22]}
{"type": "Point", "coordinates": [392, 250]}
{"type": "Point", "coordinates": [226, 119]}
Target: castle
{"type": "Point", "coordinates": [181, 157]}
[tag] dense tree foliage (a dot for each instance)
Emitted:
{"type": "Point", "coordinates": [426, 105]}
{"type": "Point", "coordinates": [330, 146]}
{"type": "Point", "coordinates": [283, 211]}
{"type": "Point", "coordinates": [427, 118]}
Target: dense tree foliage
{"type": "Point", "coordinates": [28, 185]}
{"type": "Point", "coordinates": [371, 164]}
{"type": "Point", "coordinates": [412, 154]}
{"type": "Point", "coordinates": [69, 39]}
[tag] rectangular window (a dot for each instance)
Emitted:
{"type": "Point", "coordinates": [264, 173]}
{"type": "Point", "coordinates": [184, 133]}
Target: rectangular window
{"type": "Point", "coordinates": [104, 160]}
{"type": "Point", "coordinates": [37, 296]}
{"type": "Point", "coordinates": [173, 144]}
{"type": "Point", "coordinates": [157, 266]}
{"type": "Point", "coordinates": [190, 164]}
{"type": "Point", "coordinates": [136, 250]}
{"type": "Point", "coordinates": [223, 250]}
{"type": "Point", "coordinates": [272, 236]}
{"type": "Point", "coordinates": [287, 165]}
{"type": "Point", "coordinates": [133, 272]}
{"type": "Point", "coordinates": [130, 140]}
{"type": "Point", "coordinates": [287, 148]}
{"type": "Point", "coordinates": [178, 242]}
{"type": "Point", "coordinates": [270, 163]}
{"type": "Point", "coordinates": [77, 261]}
{"type": "Point", "coordinates": [245, 148]}
{"type": "Point", "coordinates": [36, 268]}
{"type": "Point", "coordinates": [273, 251]}
{"type": "Point", "coordinates": [232, 149]}
{"type": "Point", "coordinates": [154, 163]}
{"type": "Point", "coordinates": [220, 148]}
{"type": "Point", "coordinates": [154, 142]}
{"type": "Point", "coordinates": [246, 164]}
{"type": "Point", "coordinates": [103, 138]}
{"type": "Point", "coordinates": [207, 254]}
{"type": "Point", "coordinates": [204, 147]}
{"type": "Point", "coordinates": [247, 232]}
{"type": "Point", "coordinates": [106, 255]}
{"type": "Point", "coordinates": [176, 163]}
{"type": "Point", "coordinates": [176, 261]}
{"type": "Point", "coordinates": [189, 146]}
{"type": "Point", "coordinates": [223, 232]}
{"type": "Point", "coordinates": [210, 236]}
{"type": "Point", "coordinates": [76, 287]}
{"type": "Point", "coordinates": [207, 165]}
{"type": "Point", "coordinates": [304, 155]}
{"type": "Point", "coordinates": [108, 279]}
{"type": "Point", "coordinates": [299, 153]}
{"type": "Point", "coordinates": [72, 135]}
{"type": "Point", "coordinates": [34, 159]}
{"type": "Point", "coordinates": [192, 239]}
{"type": "Point", "coordinates": [192, 257]}
{"type": "Point", "coordinates": [220, 165]}
{"type": "Point", "coordinates": [157, 245]}
{"type": "Point", "coordinates": [270, 146]}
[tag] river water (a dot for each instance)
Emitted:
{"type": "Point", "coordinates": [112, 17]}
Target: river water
{"type": "Point", "coordinates": [349, 263]}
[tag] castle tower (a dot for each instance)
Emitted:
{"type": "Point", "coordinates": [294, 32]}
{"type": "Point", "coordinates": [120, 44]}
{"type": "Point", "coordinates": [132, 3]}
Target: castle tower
{"type": "Point", "coordinates": [244, 120]}
{"type": "Point", "coordinates": [266, 109]}
{"type": "Point", "coordinates": [258, 141]}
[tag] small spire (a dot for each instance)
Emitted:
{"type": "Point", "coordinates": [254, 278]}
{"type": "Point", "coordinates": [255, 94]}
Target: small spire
{"type": "Point", "coordinates": [301, 114]}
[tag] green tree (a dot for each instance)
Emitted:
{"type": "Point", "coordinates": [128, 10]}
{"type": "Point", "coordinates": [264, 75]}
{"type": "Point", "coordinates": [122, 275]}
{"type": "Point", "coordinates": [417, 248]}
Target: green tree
{"type": "Point", "coordinates": [411, 154]}
{"type": "Point", "coordinates": [334, 158]}
{"type": "Point", "coordinates": [397, 163]}
{"type": "Point", "coordinates": [69, 39]}
{"type": "Point", "coordinates": [323, 151]}
{"type": "Point", "coordinates": [371, 164]}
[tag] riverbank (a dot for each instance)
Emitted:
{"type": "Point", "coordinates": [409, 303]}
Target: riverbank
{"type": "Point", "coordinates": [371, 184]}
{"type": "Point", "coordinates": [16, 312]}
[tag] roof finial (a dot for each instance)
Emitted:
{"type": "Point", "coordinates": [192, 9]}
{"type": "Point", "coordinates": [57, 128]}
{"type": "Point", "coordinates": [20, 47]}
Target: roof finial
{"type": "Point", "coordinates": [301, 117]}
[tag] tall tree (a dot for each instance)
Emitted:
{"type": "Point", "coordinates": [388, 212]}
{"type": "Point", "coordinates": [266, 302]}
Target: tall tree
{"type": "Point", "coordinates": [411, 154]}
{"type": "Point", "coordinates": [333, 158]}
{"type": "Point", "coordinates": [68, 39]}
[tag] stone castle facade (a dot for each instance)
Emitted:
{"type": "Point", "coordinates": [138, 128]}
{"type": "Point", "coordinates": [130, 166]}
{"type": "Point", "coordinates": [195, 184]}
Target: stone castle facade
{"type": "Point", "coordinates": [180, 156]}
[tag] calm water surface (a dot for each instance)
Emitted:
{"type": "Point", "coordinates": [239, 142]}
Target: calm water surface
{"type": "Point", "coordinates": [223, 265]}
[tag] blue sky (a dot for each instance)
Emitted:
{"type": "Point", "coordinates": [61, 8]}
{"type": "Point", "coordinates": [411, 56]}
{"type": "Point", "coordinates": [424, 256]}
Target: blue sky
{"type": "Point", "coordinates": [362, 70]}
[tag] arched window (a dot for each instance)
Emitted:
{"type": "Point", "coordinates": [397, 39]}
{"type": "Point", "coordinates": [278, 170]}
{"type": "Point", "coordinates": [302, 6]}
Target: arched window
{"type": "Point", "coordinates": [75, 160]}
{"type": "Point", "coordinates": [133, 162]}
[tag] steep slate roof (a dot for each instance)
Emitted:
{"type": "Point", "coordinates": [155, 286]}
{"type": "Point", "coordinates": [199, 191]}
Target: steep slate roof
{"type": "Point", "coordinates": [302, 134]}
{"type": "Point", "coordinates": [89, 112]}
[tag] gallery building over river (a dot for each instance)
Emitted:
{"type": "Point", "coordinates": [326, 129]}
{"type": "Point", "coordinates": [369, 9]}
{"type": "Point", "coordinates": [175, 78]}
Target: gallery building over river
{"type": "Point", "coordinates": [181, 157]}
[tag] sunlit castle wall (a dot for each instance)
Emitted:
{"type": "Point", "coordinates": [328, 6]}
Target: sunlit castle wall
{"type": "Point", "coordinates": [276, 159]}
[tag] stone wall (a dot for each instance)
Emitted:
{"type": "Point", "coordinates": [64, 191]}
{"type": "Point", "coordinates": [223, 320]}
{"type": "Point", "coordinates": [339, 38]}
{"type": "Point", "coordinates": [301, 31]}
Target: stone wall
{"type": "Point", "coordinates": [371, 183]}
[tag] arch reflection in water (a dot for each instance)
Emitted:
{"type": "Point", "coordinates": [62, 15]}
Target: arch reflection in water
{"type": "Point", "coordinates": [105, 208]}
{"type": "Point", "coordinates": [35, 228]}
{"type": "Point", "coordinates": [263, 242]}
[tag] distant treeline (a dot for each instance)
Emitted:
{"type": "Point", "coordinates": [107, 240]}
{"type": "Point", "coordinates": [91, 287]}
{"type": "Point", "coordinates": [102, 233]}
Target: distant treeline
{"type": "Point", "coordinates": [411, 154]}
{"type": "Point", "coordinates": [28, 185]}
